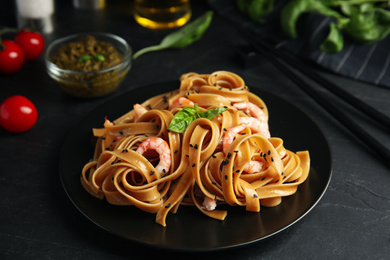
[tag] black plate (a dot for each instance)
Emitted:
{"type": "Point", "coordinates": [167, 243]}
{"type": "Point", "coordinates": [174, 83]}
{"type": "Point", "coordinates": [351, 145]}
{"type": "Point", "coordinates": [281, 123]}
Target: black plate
{"type": "Point", "coordinates": [189, 229]}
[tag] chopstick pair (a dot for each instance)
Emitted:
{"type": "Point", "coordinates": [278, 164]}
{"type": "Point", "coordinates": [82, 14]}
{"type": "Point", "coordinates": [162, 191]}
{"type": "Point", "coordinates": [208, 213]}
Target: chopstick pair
{"type": "Point", "coordinates": [279, 58]}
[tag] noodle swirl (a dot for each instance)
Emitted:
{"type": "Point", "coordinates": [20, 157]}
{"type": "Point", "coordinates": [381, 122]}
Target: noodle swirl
{"type": "Point", "coordinates": [228, 159]}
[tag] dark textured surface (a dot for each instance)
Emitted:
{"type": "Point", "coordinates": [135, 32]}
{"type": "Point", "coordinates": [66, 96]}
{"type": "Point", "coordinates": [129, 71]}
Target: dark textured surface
{"type": "Point", "coordinates": [37, 220]}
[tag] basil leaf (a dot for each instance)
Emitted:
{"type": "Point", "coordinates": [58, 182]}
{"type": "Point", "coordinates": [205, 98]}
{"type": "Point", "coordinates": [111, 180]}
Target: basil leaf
{"type": "Point", "coordinates": [100, 57]}
{"type": "Point", "coordinates": [209, 114]}
{"type": "Point", "coordinates": [84, 58]}
{"type": "Point", "coordinates": [184, 117]}
{"type": "Point", "coordinates": [187, 35]}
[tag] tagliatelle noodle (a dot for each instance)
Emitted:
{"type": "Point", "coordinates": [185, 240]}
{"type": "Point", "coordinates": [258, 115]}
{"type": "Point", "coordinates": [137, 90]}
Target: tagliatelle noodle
{"type": "Point", "coordinates": [199, 167]}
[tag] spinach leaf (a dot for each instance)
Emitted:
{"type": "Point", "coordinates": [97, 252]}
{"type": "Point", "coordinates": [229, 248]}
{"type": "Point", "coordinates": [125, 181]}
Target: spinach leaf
{"type": "Point", "coordinates": [256, 9]}
{"type": "Point", "coordinates": [334, 42]}
{"type": "Point", "coordinates": [293, 10]}
{"type": "Point", "coordinates": [187, 115]}
{"type": "Point", "coordinates": [187, 35]}
{"type": "Point", "coordinates": [368, 24]}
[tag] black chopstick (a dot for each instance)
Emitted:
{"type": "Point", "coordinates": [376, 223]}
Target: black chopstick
{"type": "Point", "coordinates": [275, 57]}
{"type": "Point", "coordinates": [363, 107]}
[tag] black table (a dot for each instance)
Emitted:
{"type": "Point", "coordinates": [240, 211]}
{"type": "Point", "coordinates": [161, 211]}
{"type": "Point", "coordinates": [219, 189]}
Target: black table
{"type": "Point", "coordinates": [39, 222]}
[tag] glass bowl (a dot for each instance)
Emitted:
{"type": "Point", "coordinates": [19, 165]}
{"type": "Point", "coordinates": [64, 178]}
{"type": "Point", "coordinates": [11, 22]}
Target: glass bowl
{"type": "Point", "coordinates": [89, 84]}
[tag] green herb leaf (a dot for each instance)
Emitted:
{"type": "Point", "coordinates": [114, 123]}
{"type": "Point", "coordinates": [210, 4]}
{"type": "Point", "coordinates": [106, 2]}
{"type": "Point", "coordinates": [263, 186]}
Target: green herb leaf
{"type": "Point", "coordinates": [256, 9]}
{"type": "Point", "coordinates": [293, 10]}
{"type": "Point", "coordinates": [187, 115]}
{"type": "Point", "coordinates": [334, 42]}
{"type": "Point", "coordinates": [84, 58]}
{"type": "Point", "coordinates": [100, 57]}
{"type": "Point", "coordinates": [187, 35]}
{"type": "Point", "coordinates": [209, 114]}
{"type": "Point", "coordinates": [182, 119]}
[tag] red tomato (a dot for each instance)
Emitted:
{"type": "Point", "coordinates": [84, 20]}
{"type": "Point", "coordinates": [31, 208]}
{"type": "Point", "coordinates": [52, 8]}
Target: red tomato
{"type": "Point", "coordinates": [18, 114]}
{"type": "Point", "coordinates": [11, 57]}
{"type": "Point", "coordinates": [32, 44]}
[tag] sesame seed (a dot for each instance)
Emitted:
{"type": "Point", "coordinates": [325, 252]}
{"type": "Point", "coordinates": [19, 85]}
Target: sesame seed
{"type": "Point", "coordinates": [191, 145]}
{"type": "Point", "coordinates": [255, 195]}
{"type": "Point", "coordinates": [229, 155]}
{"type": "Point", "coordinates": [193, 165]}
{"type": "Point", "coordinates": [214, 156]}
{"type": "Point", "coordinates": [175, 151]}
{"type": "Point", "coordinates": [224, 129]}
{"type": "Point", "coordinates": [226, 177]}
{"type": "Point", "coordinates": [214, 183]}
{"type": "Point", "coordinates": [151, 173]}
{"type": "Point", "coordinates": [168, 205]}
{"type": "Point", "coordinates": [269, 152]}
{"type": "Point", "coordinates": [196, 146]}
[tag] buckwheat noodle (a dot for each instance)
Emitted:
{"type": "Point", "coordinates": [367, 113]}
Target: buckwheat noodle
{"type": "Point", "coordinates": [202, 170]}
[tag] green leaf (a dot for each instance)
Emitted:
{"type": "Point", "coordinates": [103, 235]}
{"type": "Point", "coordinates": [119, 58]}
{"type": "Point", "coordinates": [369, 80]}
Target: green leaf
{"type": "Point", "coordinates": [187, 35]}
{"type": "Point", "coordinates": [209, 114]}
{"type": "Point", "coordinates": [187, 115]}
{"type": "Point", "coordinates": [182, 119]}
{"type": "Point", "coordinates": [293, 10]}
{"type": "Point", "coordinates": [368, 24]}
{"type": "Point", "coordinates": [334, 42]}
{"type": "Point", "coordinates": [100, 57]}
{"type": "Point", "coordinates": [256, 9]}
{"type": "Point", "coordinates": [84, 58]}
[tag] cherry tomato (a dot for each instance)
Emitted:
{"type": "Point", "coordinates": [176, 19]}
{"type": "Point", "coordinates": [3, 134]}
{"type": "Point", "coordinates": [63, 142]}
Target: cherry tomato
{"type": "Point", "coordinates": [18, 114]}
{"type": "Point", "coordinates": [11, 57]}
{"type": "Point", "coordinates": [32, 44]}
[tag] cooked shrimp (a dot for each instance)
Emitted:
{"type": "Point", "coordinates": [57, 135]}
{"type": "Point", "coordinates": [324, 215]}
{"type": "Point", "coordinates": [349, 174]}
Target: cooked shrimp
{"type": "Point", "coordinates": [256, 125]}
{"type": "Point", "coordinates": [252, 109]}
{"type": "Point", "coordinates": [162, 148]}
{"type": "Point", "coordinates": [139, 111]}
{"type": "Point", "coordinates": [253, 166]}
{"type": "Point", "coordinates": [209, 204]}
{"type": "Point", "coordinates": [182, 101]}
{"type": "Point", "coordinates": [230, 134]}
